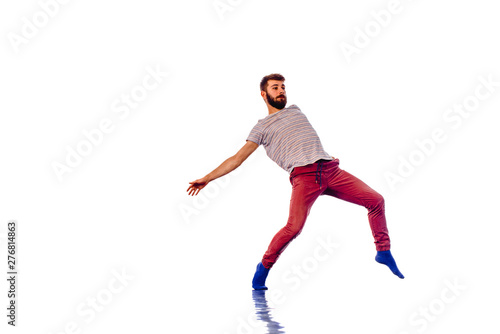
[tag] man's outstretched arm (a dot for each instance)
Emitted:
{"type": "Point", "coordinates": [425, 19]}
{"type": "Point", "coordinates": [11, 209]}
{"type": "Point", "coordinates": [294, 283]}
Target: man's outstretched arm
{"type": "Point", "coordinates": [226, 167]}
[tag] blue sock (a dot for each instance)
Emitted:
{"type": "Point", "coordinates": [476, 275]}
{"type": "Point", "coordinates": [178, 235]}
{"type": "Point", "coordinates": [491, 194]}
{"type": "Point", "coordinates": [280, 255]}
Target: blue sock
{"type": "Point", "coordinates": [259, 279]}
{"type": "Point", "coordinates": [385, 257]}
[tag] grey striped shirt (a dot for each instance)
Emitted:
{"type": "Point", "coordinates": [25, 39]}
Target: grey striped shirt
{"type": "Point", "coordinates": [289, 139]}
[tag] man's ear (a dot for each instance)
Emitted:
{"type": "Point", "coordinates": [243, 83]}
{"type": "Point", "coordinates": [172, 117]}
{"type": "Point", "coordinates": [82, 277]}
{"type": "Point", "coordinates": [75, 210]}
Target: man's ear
{"type": "Point", "coordinates": [263, 94]}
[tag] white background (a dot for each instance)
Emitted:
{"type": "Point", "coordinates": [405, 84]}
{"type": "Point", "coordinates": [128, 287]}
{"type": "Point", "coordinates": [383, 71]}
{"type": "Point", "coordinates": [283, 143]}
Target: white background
{"type": "Point", "coordinates": [190, 261]}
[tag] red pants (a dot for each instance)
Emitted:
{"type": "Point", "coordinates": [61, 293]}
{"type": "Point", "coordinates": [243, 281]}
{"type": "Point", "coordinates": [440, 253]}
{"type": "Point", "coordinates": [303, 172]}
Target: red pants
{"type": "Point", "coordinates": [326, 178]}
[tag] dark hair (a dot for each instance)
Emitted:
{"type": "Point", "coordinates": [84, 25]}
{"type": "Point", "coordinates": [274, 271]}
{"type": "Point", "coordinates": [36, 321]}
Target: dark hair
{"type": "Point", "coordinates": [274, 76]}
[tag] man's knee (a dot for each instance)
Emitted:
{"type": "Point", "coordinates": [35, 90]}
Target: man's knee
{"type": "Point", "coordinates": [376, 201]}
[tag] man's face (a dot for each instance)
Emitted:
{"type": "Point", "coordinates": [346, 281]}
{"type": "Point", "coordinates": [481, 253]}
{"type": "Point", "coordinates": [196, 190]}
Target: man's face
{"type": "Point", "coordinates": [276, 94]}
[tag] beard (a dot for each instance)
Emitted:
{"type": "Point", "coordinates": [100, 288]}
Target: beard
{"type": "Point", "coordinates": [278, 103]}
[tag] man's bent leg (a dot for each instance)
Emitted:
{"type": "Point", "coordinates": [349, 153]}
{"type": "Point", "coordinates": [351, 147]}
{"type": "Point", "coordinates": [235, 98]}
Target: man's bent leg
{"type": "Point", "coordinates": [347, 187]}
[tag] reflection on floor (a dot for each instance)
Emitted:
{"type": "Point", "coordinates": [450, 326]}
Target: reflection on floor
{"type": "Point", "coordinates": [263, 312]}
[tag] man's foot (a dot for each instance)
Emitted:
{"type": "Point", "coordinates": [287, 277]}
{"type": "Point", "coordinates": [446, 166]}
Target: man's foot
{"type": "Point", "coordinates": [385, 257]}
{"type": "Point", "coordinates": [259, 279]}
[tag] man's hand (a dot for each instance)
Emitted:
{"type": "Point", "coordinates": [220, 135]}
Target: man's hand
{"type": "Point", "coordinates": [227, 166]}
{"type": "Point", "coordinates": [196, 186]}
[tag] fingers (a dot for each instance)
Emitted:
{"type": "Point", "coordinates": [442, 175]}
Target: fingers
{"type": "Point", "coordinates": [196, 186]}
{"type": "Point", "coordinates": [193, 190]}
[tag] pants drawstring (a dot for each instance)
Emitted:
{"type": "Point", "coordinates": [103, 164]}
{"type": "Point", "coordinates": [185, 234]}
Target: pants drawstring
{"type": "Point", "coordinates": [320, 167]}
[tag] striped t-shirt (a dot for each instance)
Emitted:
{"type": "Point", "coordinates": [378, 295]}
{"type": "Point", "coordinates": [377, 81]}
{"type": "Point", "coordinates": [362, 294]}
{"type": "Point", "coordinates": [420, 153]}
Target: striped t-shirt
{"type": "Point", "coordinates": [289, 139]}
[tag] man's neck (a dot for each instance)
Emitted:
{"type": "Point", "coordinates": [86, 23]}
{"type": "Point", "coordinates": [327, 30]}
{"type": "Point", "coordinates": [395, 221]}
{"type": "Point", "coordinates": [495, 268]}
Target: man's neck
{"type": "Point", "coordinates": [273, 110]}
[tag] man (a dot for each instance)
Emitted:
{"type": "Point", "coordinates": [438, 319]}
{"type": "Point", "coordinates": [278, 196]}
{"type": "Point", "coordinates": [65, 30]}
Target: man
{"type": "Point", "coordinates": [291, 142]}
